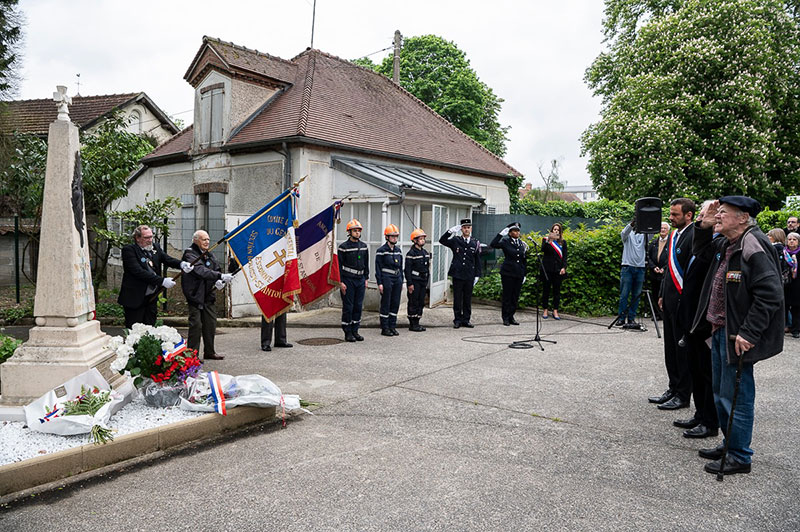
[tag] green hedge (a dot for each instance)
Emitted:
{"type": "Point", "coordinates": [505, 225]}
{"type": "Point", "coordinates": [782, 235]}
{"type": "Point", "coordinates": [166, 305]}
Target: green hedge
{"type": "Point", "coordinates": [593, 266]}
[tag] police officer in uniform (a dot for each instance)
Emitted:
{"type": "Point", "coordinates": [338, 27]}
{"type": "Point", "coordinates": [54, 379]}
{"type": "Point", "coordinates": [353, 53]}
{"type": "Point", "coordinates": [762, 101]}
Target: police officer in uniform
{"type": "Point", "coordinates": [465, 269]}
{"type": "Point", "coordinates": [418, 262]}
{"type": "Point", "coordinates": [354, 275]}
{"type": "Point", "coordinates": [389, 275]}
{"type": "Point", "coordinates": [513, 270]}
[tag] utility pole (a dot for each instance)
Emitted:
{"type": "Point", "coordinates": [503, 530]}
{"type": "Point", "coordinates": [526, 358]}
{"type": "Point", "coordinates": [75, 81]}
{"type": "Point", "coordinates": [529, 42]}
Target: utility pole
{"type": "Point", "coordinates": [398, 41]}
{"type": "Point", "coordinates": [313, 20]}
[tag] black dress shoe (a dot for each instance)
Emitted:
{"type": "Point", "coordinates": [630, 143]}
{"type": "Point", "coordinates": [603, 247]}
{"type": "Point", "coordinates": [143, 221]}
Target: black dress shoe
{"type": "Point", "coordinates": [358, 337]}
{"type": "Point", "coordinates": [283, 345]}
{"type": "Point", "coordinates": [731, 466]}
{"type": "Point", "coordinates": [700, 431]}
{"type": "Point", "coordinates": [468, 325]}
{"type": "Point", "coordinates": [394, 332]}
{"type": "Point", "coordinates": [456, 325]}
{"type": "Point", "coordinates": [663, 398]}
{"type": "Point", "coordinates": [215, 356]}
{"type": "Point", "coordinates": [506, 323]}
{"type": "Point", "coordinates": [266, 348]}
{"type": "Point", "coordinates": [711, 453]}
{"type": "Point", "coordinates": [513, 321]}
{"type": "Point", "coordinates": [686, 423]}
{"type": "Point", "coordinates": [386, 332]}
{"type": "Point", "coordinates": [674, 404]}
{"type": "Point", "coordinates": [349, 337]}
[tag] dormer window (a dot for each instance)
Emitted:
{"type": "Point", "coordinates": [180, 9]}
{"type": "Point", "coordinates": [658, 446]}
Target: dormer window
{"type": "Point", "coordinates": [212, 100]}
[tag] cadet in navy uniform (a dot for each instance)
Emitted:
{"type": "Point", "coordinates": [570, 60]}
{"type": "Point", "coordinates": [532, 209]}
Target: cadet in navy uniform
{"type": "Point", "coordinates": [354, 275]}
{"type": "Point", "coordinates": [389, 274]}
{"type": "Point", "coordinates": [418, 262]}
{"type": "Point", "coordinates": [465, 269]}
{"type": "Point", "coordinates": [513, 270]}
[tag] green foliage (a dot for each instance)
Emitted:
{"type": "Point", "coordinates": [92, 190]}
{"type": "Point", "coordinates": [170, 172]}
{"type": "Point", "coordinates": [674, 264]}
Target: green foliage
{"type": "Point", "coordinates": [11, 315]}
{"type": "Point", "coordinates": [10, 35]}
{"type": "Point", "coordinates": [365, 62]}
{"type": "Point", "coordinates": [22, 179]}
{"type": "Point", "coordinates": [110, 310]}
{"type": "Point", "coordinates": [513, 183]}
{"type": "Point", "coordinates": [7, 347]}
{"type": "Point", "coordinates": [437, 72]}
{"type": "Point", "coordinates": [143, 364]}
{"type": "Point", "coordinates": [769, 219]}
{"type": "Point", "coordinates": [606, 211]}
{"type": "Point", "coordinates": [591, 287]}
{"type": "Point", "coordinates": [701, 98]}
{"type": "Point", "coordinates": [151, 213]}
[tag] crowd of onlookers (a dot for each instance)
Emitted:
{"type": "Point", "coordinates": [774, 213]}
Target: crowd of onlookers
{"type": "Point", "coordinates": [787, 244]}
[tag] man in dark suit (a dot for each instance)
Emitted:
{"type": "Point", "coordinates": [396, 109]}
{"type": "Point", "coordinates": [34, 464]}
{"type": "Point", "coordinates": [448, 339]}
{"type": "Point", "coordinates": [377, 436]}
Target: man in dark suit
{"type": "Point", "coordinates": [679, 255]}
{"type": "Point", "coordinates": [465, 269]}
{"type": "Point", "coordinates": [141, 278]}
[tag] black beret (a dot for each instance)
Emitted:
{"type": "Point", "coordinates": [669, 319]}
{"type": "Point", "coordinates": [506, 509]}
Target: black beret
{"type": "Point", "coordinates": [513, 225]}
{"type": "Point", "coordinates": [748, 205]}
{"type": "Point", "coordinates": [466, 221]}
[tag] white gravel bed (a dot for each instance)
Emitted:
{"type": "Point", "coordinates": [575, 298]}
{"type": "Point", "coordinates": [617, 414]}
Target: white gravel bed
{"type": "Point", "coordinates": [18, 443]}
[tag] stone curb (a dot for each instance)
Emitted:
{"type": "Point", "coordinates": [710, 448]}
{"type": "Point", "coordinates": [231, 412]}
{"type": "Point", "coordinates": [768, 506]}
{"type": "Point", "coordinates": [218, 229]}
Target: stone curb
{"type": "Point", "coordinates": [27, 474]}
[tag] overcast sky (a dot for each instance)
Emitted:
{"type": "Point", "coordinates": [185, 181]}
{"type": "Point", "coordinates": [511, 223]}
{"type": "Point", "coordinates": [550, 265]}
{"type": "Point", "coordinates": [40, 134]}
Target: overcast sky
{"type": "Point", "coordinates": [533, 54]}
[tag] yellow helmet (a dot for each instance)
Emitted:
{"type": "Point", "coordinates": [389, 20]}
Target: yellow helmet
{"type": "Point", "coordinates": [353, 224]}
{"type": "Point", "coordinates": [416, 233]}
{"type": "Point", "coordinates": [391, 230]}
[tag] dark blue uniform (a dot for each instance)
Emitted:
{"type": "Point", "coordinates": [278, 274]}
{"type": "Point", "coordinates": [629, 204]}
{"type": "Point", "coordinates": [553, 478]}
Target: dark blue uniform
{"type": "Point", "coordinates": [389, 273]}
{"type": "Point", "coordinates": [512, 272]}
{"type": "Point", "coordinates": [466, 266]}
{"type": "Point", "coordinates": [353, 271]}
{"type": "Point", "coordinates": [417, 271]}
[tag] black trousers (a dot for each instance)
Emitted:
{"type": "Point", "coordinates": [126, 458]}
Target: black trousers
{"type": "Point", "coordinates": [202, 322]}
{"type": "Point", "coordinates": [676, 358]}
{"type": "Point", "coordinates": [462, 300]}
{"type": "Point", "coordinates": [655, 288]}
{"type": "Point", "coordinates": [390, 300]}
{"type": "Point", "coordinates": [352, 302]}
{"type": "Point", "coordinates": [552, 279]}
{"type": "Point", "coordinates": [416, 299]}
{"type": "Point", "coordinates": [279, 324]}
{"type": "Point", "coordinates": [512, 286]}
{"type": "Point", "coordinates": [700, 368]}
{"type": "Point", "coordinates": [146, 314]}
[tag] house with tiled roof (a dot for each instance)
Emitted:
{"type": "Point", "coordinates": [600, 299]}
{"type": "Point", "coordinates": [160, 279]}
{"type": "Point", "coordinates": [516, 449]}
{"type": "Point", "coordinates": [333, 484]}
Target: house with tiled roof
{"type": "Point", "coordinates": [262, 123]}
{"type": "Point", "coordinates": [88, 112]}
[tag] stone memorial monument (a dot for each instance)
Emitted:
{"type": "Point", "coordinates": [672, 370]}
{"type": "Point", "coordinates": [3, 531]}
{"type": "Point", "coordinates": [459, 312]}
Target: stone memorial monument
{"type": "Point", "coordinates": [67, 340]}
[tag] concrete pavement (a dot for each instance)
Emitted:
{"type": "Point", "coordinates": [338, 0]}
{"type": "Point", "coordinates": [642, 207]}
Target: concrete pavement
{"type": "Point", "coordinates": [453, 430]}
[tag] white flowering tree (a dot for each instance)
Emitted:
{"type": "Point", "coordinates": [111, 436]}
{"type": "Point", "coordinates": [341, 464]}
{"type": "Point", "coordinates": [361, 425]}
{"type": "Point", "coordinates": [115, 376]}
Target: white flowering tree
{"type": "Point", "coordinates": [701, 98]}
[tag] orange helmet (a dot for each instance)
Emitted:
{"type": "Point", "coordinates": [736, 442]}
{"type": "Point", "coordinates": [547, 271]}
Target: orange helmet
{"type": "Point", "coordinates": [391, 230]}
{"type": "Point", "coordinates": [416, 233]}
{"type": "Point", "coordinates": [353, 224]}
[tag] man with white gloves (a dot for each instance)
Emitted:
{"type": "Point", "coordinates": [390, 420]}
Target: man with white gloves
{"type": "Point", "coordinates": [465, 269]}
{"type": "Point", "coordinates": [198, 287]}
{"type": "Point", "coordinates": [141, 278]}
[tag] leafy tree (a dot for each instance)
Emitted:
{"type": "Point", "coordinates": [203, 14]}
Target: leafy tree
{"type": "Point", "coordinates": [437, 72]}
{"type": "Point", "coordinates": [10, 34]}
{"type": "Point", "coordinates": [22, 179]}
{"type": "Point", "coordinates": [365, 62]}
{"type": "Point", "coordinates": [552, 182]}
{"type": "Point", "coordinates": [513, 183]}
{"type": "Point", "coordinates": [701, 98]}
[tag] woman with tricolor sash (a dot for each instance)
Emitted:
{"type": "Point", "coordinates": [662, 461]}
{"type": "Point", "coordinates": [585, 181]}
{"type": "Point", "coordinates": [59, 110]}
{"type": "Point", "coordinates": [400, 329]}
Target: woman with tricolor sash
{"type": "Point", "coordinates": [554, 268]}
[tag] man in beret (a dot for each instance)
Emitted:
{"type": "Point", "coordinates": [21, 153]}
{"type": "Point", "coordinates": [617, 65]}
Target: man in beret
{"type": "Point", "coordinates": [742, 299]}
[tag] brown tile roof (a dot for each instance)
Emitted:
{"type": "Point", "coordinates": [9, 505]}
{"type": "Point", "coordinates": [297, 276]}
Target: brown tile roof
{"type": "Point", "coordinates": [35, 116]}
{"type": "Point", "coordinates": [176, 146]}
{"type": "Point", "coordinates": [238, 60]}
{"type": "Point", "coordinates": [331, 101]}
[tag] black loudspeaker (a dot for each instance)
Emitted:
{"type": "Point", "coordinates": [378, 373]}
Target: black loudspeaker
{"type": "Point", "coordinates": [648, 215]}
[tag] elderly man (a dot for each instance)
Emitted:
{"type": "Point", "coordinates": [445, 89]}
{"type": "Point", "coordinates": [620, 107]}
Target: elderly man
{"type": "Point", "coordinates": [141, 278]}
{"type": "Point", "coordinates": [198, 287]}
{"type": "Point", "coordinates": [465, 269]}
{"type": "Point", "coordinates": [742, 299]}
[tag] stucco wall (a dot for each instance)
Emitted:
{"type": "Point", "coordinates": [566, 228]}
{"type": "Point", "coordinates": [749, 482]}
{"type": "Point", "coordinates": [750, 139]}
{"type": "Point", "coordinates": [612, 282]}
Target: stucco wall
{"type": "Point", "coordinates": [246, 98]}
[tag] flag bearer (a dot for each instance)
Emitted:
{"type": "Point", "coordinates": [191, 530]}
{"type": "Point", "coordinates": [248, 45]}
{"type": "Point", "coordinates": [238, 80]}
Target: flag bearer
{"type": "Point", "coordinates": [418, 262]}
{"type": "Point", "coordinates": [389, 274]}
{"type": "Point", "coordinates": [354, 275]}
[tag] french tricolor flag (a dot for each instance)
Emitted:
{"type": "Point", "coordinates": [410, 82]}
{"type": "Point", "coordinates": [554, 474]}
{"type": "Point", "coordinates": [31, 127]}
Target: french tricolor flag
{"type": "Point", "coordinates": [316, 254]}
{"type": "Point", "coordinates": [265, 247]}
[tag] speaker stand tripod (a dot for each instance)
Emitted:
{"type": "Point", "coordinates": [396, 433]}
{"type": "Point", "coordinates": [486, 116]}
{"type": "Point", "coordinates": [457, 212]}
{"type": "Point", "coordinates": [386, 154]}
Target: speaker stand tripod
{"type": "Point", "coordinates": [526, 344]}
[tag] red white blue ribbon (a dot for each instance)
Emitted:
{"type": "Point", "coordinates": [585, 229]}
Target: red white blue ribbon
{"type": "Point", "coordinates": [557, 248]}
{"type": "Point", "coordinates": [176, 350]}
{"type": "Point", "coordinates": [216, 393]}
{"type": "Point", "coordinates": [50, 415]}
{"type": "Point", "coordinates": [675, 270]}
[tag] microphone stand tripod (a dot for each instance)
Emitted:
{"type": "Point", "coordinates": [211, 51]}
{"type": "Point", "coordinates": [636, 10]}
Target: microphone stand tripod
{"type": "Point", "coordinates": [524, 344]}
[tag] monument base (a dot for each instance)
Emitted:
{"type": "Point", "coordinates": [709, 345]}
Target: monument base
{"type": "Point", "coordinates": [52, 356]}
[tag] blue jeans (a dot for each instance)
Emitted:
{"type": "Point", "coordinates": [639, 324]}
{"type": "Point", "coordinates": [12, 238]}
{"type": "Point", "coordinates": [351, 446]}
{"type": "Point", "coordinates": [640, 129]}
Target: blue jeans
{"type": "Point", "coordinates": [631, 280]}
{"type": "Point", "coordinates": [723, 380]}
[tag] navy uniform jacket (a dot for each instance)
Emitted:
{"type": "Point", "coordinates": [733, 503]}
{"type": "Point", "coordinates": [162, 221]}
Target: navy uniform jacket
{"type": "Point", "coordinates": [515, 264]}
{"type": "Point", "coordinates": [388, 262]}
{"type": "Point", "coordinates": [466, 263]}
{"type": "Point", "coordinates": [353, 260]}
{"type": "Point", "coordinates": [683, 252]}
{"type": "Point", "coordinates": [417, 265]}
{"type": "Point", "coordinates": [140, 271]}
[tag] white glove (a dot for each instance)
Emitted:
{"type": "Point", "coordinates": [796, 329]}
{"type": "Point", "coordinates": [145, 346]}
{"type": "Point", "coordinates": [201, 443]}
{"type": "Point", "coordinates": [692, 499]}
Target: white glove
{"type": "Point", "coordinates": [226, 277]}
{"type": "Point", "coordinates": [167, 282]}
{"type": "Point", "coordinates": [476, 281]}
{"type": "Point", "coordinates": [455, 229]}
{"type": "Point", "coordinates": [523, 280]}
{"type": "Point", "coordinates": [186, 267]}
{"type": "Point", "coordinates": [504, 232]}
{"type": "Point", "coordinates": [220, 284]}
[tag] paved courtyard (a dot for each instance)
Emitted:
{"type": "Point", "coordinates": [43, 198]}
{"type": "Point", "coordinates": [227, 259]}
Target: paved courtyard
{"type": "Point", "coordinates": [453, 430]}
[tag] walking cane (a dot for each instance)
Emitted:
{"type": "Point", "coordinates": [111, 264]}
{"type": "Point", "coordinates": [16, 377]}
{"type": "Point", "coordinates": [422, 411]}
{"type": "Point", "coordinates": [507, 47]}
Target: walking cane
{"type": "Point", "coordinates": [720, 473]}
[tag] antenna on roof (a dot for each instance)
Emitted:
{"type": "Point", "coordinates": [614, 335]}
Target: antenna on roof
{"type": "Point", "coordinates": [313, 20]}
{"type": "Point", "coordinates": [78, 92]}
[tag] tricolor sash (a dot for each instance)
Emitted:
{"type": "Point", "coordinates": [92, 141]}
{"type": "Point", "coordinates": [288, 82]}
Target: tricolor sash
{"type": "Point", "coordinates": [216, 393]}
{"type": "Point", "coordinates": [675, 270]}
{"type": "Point", "coordinates": [557, 248]}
